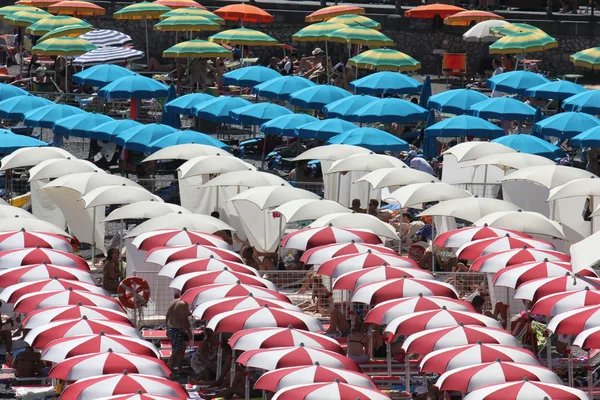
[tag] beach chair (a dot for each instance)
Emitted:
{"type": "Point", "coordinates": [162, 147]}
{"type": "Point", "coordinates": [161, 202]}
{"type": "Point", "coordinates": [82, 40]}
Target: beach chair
{"type": "Point", "coordinates": [454, 65]}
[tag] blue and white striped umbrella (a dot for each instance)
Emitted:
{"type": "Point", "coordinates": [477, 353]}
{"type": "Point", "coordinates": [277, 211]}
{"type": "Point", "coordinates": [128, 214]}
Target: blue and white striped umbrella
{"type": "Point", "coordinates": [107, 37]}
{"type": "Point", "coordinates": [108, 55]}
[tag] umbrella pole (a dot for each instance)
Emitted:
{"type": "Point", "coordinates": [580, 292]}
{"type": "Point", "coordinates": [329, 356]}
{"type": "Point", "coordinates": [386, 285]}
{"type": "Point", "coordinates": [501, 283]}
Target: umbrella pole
{"type": "Point", "coordinates": [66, 76]}
{"type": "Point", "coordinates": [232, 369]}
{"type": "Point", "coordinates": [264, 150]}
{"type": "Point", "coordinates": [247, 385]}
{"type": "Point", "coordinates": [147, 44]}
{"type": "Point", "coordinates": [406, 373]}
{"type": "Point", "coordinates": [432, 245]}
{"type": "Point", "coordinates": [339, 182]}
{"type": "Point", "coordinates": [93, 236]}
{"type": "Point", "coordinates": [20, 52]}
{"type": "Point", "coordinates": [219, 355]}
{"type": "Point", "coordinates": [388, 354]}
{"type": "Point", "coordinates": [485, 172]}
{"type": "Point", "coordinates": [549, 350]}
{"type": "Point", "coordinates": [121, 246]}
{"type": "Point", "coordinates": [570, 363]}
{"type": "Point", "coordinates": [326, 62]}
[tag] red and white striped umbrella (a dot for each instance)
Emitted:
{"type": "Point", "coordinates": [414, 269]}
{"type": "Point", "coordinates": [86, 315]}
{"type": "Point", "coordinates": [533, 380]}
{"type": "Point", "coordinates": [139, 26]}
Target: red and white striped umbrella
{"type": "Point", "coordinates": [424, 320]}
{"type": "Point", "coordinates": [263, 317]}
{"type": "Point", "coordinates": [442, 338]}
{"type": "Point", "coordinates": [48, 315]}
{"type": "Point", "coordinates": [23, 239]}
{"type": "Point", "coordinates": [124, 383]}
{"type": "Point", "coordinates": [188, 265]}
{"type": "Point", "coordinates": [318, 255]}
{"type": "Point", "coordinates": [61, 349]}
{"type": "Point", "coordinates": [516, 275]}
{"type": "Point", "coordinates": [353, 279]}
{"type": "Point", "coordinates": [538, 288]}
{"type": "Point", "coordinates": [164, 255]}
{"type": "Point", "coordinates": [266, 338]}
{"type": "Point", "coordinates": [305, 239]}
{"type": "Point", "coordinates": [139, 396]}
{"type": "Point", "coordinates": [40, 336]}
{"type": "Point", "coordinates": [526, 390]}
{"type": "Point", "coordinates": [329, 391]}
{"type": "Point", "coordinates": [278, 379]}
{"type": "Point", "coordinates": [483, 247]}
{"type": "Point", "coordinates": [202, 294]}
{"type": "Point", "coordinates": [378, 292]}
{"type": "Point", "coordinates": [208, 310]}
{"type": "Point", "coordinates": [195, 279]}
{"type": "Point", "coordinates": [447, 359]}
{"type": "Point", "coordinates": [354, 262]}
{"type": "Point", "coordinates": [467, 379]}
{"type": "Point", "coordinates": [109, 362]}
{"type": "Point", "coordinates": [177, 237]}
{"type": "Point", "coordinates": [588, 339]}
{"type": "Point", "coordinates": [459, 237]}
{"type": "Point", "coordinates": [282, 357]}
{"type": "Point", "coordinates": [557, 303]}
{"type": "Point", "coordinates": [14, 292]}
{"type": "Point", "coordinates": [493, 263]}
{"type": "Point", "coordinates": [575, 321]}
{"type": "Point", "coordinates": [384, 312]}
{"type": "Point", "coordinates": [38, 272]}
{"type": "Point", "coordinates": [20, 257]}
{"type": "Point", "coordinates": [58, 298]}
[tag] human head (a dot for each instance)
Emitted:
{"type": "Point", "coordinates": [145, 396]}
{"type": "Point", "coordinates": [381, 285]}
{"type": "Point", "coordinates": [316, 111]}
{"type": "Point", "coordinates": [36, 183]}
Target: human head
{"type": "Point", "coordinates": [273, 61]}
{"type": "Point", "coordinates": [420, 393]}
{"type": "Point", "coordinates": [406, 218]}
{"type": "Point", "coordinates": [356, 203]}
{"type": "Point", "coordinates": [112, 254]}
{"type": "Point", "coordinates": [412, 154]}
{"type": "Point", "coordinates": [215, 214]}
{"type": "Point", "coordinates": [477, 303]}
{"type": "Point", "coordinates": [373, 204]}
{"type": "Point", "coordinates": [248, 252]}
{"type": "Point", "coordinates": [208, 332]}
{"type": "Point", "coordinates": [298, 255]}
{"type": "Point", "coordinates": [496, 63]}
{"type": "Point", "coordinates": [358, 326]}
{"type": "Point", "coordinates": [317, 279]}
{"type": "Point", "coordinates": [317, 52]}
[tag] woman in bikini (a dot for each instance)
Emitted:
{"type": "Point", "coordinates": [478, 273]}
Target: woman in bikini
{"type": "Point", "coordinates": [358, 343]}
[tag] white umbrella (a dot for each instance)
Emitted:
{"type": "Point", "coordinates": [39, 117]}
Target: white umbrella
{"type": "Point", "coordinates": [246, 179]}
{"type": "Point", "coordinates": [523, 221]}
{"type": "Point", "coordinates": [29, 156]}
{"type": "Point", "coordinates": [419, 193]}
{"type": "Point", "coordinates": [8, 211]}
{"type": "Point", "coordinates": [145, 210]}
{"type": "Point", "coordinates": [332, 152]}
{"type": "Point", "coordinates": [213, 164]}
{"type": "Point", "coordinates": [55, 167]}
{"type": "Point", "coordinates": [192, 222]}
{"type": "Point", "coordinates": [481, 31]}
{"type": "Point", "coordinates": [365, 162]}
{"type": "Point", "coordinates": [468, 151]}
{"type": "Point", "coordinates": [273, 196]}
{"type": "Point", "coordinates": [584, 254]}
{"type": "Point", "coordinates": [109, 195]}
{"type": "Point", "coordinates": [386, 177]}
{"type": "Point", "coordinates": [508, 161]}
{"type": "Point", "coordinates": [30, 224]}
{"type": "Point", "coordinates": [307, 209]}
{"type": "Point", "coordinates": [576, 188]}
{"type": "Point", "coordinates": [469, 209]}
{"type": "Point", "coordinates": [85, 182]}
{"type": "Point", "coordinates": [186, 152]}
{"type": "Point", "coordinates": [357, 221]}
{"type": "Point", "coordinates": [549, 176]}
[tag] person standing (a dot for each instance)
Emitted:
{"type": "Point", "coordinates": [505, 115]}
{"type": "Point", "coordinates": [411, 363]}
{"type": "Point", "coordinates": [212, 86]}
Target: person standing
{"type": "Point", "coordinates": [497, 71]}
{"type": "Point", "coordinates": [177, 327]}
{"type": "Point", "coordinates": [111, 271]}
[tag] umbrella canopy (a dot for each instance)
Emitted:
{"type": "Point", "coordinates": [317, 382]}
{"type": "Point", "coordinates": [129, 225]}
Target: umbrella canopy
{"type": "Point", "coordinates": [186, 152]}
{"type": "Point", "coordinates": [317, 32]}
{"type": "Point", "coordinates": [342, 108]}
{"type": "Point", "coordinates": [390, 110]}
{"type": "Point", "coordinates": [266, 197]}
{"type": "Point", "coordinates": [217, 110]}
{"type": "Point", "coordinates": [138, 396]}
{"type": "Point", "coordinates": [523, 221]}
{"type": "Point", "coordinates": [534, 290]}
{"type": "Point", "coordinates": [47, 315]}
{"type": "Point", "coordinates": [332, 152]}
{"type": "Point", "coordinates": [586, 102]}
{"type": "Point", "coordinates": [283, 357]}
{"type": "Point", "coordinates": [46, 116]}
{"type": "Point", "coordinates": [588, 339]}
{"type": "Point", "coordinates": [457, 101]}
{"type": "Point", "coordinates": [101, 75]}
{"type": "Point", "coordinates": [558, 303]}
{"type": "Point", "coordinates": [265, 338]}
{"type": "Point", "coordinates": [482, 31]}
{"type": "Point", "coordinates": [184, 104]}
{"type": "Point", "coordinates": [482, 247]}
{"type": "Point", "coordinates": [493, 263]}
{"type": "Point", "coordinates": [317, 97]}
{"type": "Point", "coordinates": [203, 294]}
{"type": "Point", "coordinates": [353, 279]}
{"type": "Point", "coordinates": [204, 165]}
{"type": "Point", "coordinates": [8, 91]}
{"type": "Point", "coordinates": [529, 144]}
{"type": "Point", "coordinates": [142, 10]}
{"type": "Point", "coordinates": [286, 125]}
{"type": "Point", "coordinates": [6, 10]}
{"type": "Point", "coordinates": [8, 211]}
{"type": "Point", "coordinates": [464, 236]}
{"type": "Point", "coordinates": [471, 209]}
{"type": "Point", "coordinates": [370, 138]}
{"type": "Point", "coordinates": [324, 391]}
{"type": "Point", "coordinates": [523, 42]}
{"type": "Point", "coordinates": [263, 317]}
{"type": "Point", "coordinates": [385, 60]}
{"type": "Point", "coordinates": [37, 272]}
{"type": "Point", "coordinates": [280, 87]}
{"type": "Point", "coordinates": [78, 125]}
{"type": "Point", "coordinates": [325, 129]}
{"type": "Point", "coordinates": [21, 257]}
{"type": "Point", "coordinates": [109, 195]}
{"type": "Point", "coordinates": [175, 4]}
{"type": "Point", "coordinates": [356, 20]}
{"type": "Point", "coordinates": [176, 237]}
{"type": "Point", "coordinates": [396, 176]}
{"type": "Point", "coordinates": [108, 131]}
{"type": "Point", "coordinates": [140, 137]}
{"type": "Point", "coordinates": [465, 18]}
{"type": "Point", "coordinates": [10, 142]}
{"type": "Point", "coordinates": [559, 90]}
{"type": "Point", "coordinates": [309, 209]}
{"type": "Point", "coordinates": [179, 220]}
{"type": "Point", "coordinates": [193, 11]}
{"type": "Point", "coordinates": [183, 282]}
{"type": "Point", "coordinates": [326, 13]}
{"type": "Point", "coordinates": [305, 239]}
{"type": "Point", "coordinates": [25, 18]}
{"type": "Point", "coordinates": [243, 13]}
{"type": "Point", "coordinates": [183, 137]}
{"type": "Point", "coordinates": [55, 167]}
{"type": "Point", "coordinates": [588, 138]}
{"type": "Point", "coordinates": [565, 125]}
{"type": "Point", "coordinates": [49, 24]}
{"type": "Point", "coordinates": [509, 29]}
{"type": "Point", "coordinates": [356, 262]}
{"type": "Point", "coordinates": [431, 10]}
{"type": "Point", "coordinates": [196, 49]}
{"type": "Point", "coordinates": [384, 313]}
{"type": "Point", "coordinates": [30, 239]}
{"type": "Point", "coordinates": [165, 254]}
{"type": "Point", "coordinates": [210, 309]}
{"type": "Point", "coordinates": [107, 37]}
{"type": "Point", "coordinates": [464, 125]}
{"type": "Point", "coordinates": [243, 36]}
{"type": "Point", "coordinates": [378, 292]}
{"type": "Point", "coordinates": [588, 58]}
{"type": "Point", "coordinates": [76, 7]}
{"type": "Point", "coordinates": [517, 82]}
{"type": "Point", "coordinates": [386, 82]}
{"type": "Point", "coordinates": [16, 223]}
{"type": "Point", "coordinates": [419, 193]}
{"type": "Point", "coordinates": [516, 390]}
{"type": "Point", "coordinates": [258, 113]}
{"type": "Point", "coordinates": [555, 178]}
{"type": "Point", "coordinates": [30, 157]}
{"type": "Point", "coordinates": [503, 108]}
{"type": "Point", "coordinates": [187, 23]}
{"type": "Point", "coordinates": [318, 255]}
{"type": "Point", "coordinates": [63, 46]}
{"type": "Point", "coordinates": [13, 293]}
{"type": "Point", "coordinates": [109, 55]}
{"type": "Point", "coordinates": [134, 87]}
{"type": "Point", "coordinates": [188, 265]}
{"type": "Point", "coordinates": [519, 274]}
{"type": "Point", "coordinates": [364, 162]}
{"type": "Point", "coordinates": [507, 161]}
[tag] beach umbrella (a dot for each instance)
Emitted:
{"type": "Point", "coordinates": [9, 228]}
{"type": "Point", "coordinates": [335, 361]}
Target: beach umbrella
{"type": "Point", "coordinates": [6, 10]}
{"type": "Point", "coordinates": [202, 294]}
{"type": "Point", "coordinates": [46, 116]}
{"type": "Point", "coordinates": [378, 292]}
{"type": "Point", "coordinates": [305, 239]}
{"type": "Point", "coordinates": [523, 221]}
{"type": "Point", "coordinates": [559, 90]}
{"type": "Point", "coordinates": [457, 101]}
{"type": "Point", "coordinates": [525, 388]}
{"type": "Point", "coordinates": [76, 8]}
{"type": "Point", "coordinates": [8, 91]}
{"type": "Point", "coordinates": [165, 254]}
{"type": "Point", "coordinates": [370, 138]}
{"type": "Point", "coordinates": [108, 55]}
{"type": "Point", "coordinates": [258, 113]}
{"type": "Point", "coordinates": [196, 49]}
{"type": "Point", "coordinates": [110, 195]}
{"type": "Point", "coordinates": [193, 11]}
{"type": "Point", "coordinates": [558, 303]}
{"type": "Point", "coordinates": [186, 23]}
{"type": "Point", "coordinates": [50, 23]}
{"type": "Point", "coordinates": [515, 275]}
{"type": "Point", "coordinates": [10, 141]}
{"type": "Point", "coordinates": [124, 383]}
{"type": "Point", "coordinates": [340, 265]}
{"type": "Point", "coordinates": [8, 211]}
{"type": "Point", "coordinates": [588, 58]}
{"type": "Point", "coordinates": [384, 313]}
{"type": "Point", "coordinates": [356, 221]}
{"type": "Point", "coordinates": [507, 161]}
{"type": "Point", "coordinates": [464, 125]}
{"type": "Point", "coordinates": [263, 317]}
{"type": "Point", "coordinates": [283, 357]}
{"type": "Point", "coordinates": [431, 10]}
{"type": "Point", "coordinates": [182, 137]}
{"type": "Point", "coordinates": [186, 152]}
{"type": "Point", "coordinates": [56, 167]}
{"type": "Point", "coordinates": [318, 255]}
{"type": "Point", "coordinates": [218, 109]}
{"type": "Point", "coordinates": [353, 279]}
{"type": "Point", "coordinates": [565, 125]}
{"type": "Point", "coordinates": [78, 125]}
{"type": "Point", "coordinates": [587, 138]}
{"type": "Point", "coordinates": [67, 30]}
{"type": "Point", "coordinates": [243, 37]}
{"type": "Point", "coordinates": [503, 108]}
{"type": "Point", "coordinates": [176, 237]}
{"type": "Point", "coordinates": [184, 104]}
{"type": "Point", "coordinates": [101, 75]}
{"type": "Point", "coordinates": [25, 18]}
{"type": "Point", "coordinates": [280, 87]}
{"type": "Point", "coordinates": [30, 256]}
{"type": "Point", "coordinates": [465, 18]}
{"type": "Point", "coordinates": [356, 20]}
{"type": "Point", "coordinates": [210, 309]}
{"type": "Point", "coordinates": [13, 293]}
{"type": "Point", "coordinates": [553, 177]}
{"type": "Point", "coordinates": [364, 162]}
{"type": "Point", "coordinates": [523, 42]}
{"type": "Point", "coordinates": [179, 220]}
{"type": "Point", "coordinates": [359, 35]}
{"type": "Point", "coordinates": [140, 137]}
{"type": "Point", "coordinates": [395, 176]}
{"type": "Point", "coordinates": [332, 152]}
{"type": "Point", "coordinates": [318, 32]}
{"type": "Point", "coordinates": [265, 338]}
{"type": "Point", "coordinates": [175, 4]}
{"type": "Point", "coordinates": [110, 362]}
{"type": "Point", "coordinates": [329, 390]}
{"type": "Point", "coordinates": [469, 151]}
{"type": "Point", "coordinates": [586, 102]}
{"type": "Point", "coordinates": [32, 239]}
{"type": "Point", "coordinates": [212, 165]}
{"type": "Point", "coordinates": [386, 82]}
{"type": "Point", "coordinates": [467, 379]}
{"type": "Point", "coordinates": [470, 209]}
{"type": "Point", "coordinates": [493, 263]}
{"type": "Point", "coordinates": [138, 396]}
{"type": "Point", "coordinates": [244, 13]}
{"type": "Point", "coordinates": [183, 282]}
{"type": "Point", "coordinates": [538, 288]}
{"type": "Point", "coordinates": [419, 193]}
{"type": "Point", "coordinates": [325, 129]}
{"type": "Point", "coordinates": [344, 107]}
{"type": "Point", "coordinates": [43, 271]}
{"type": "Point", "coordinates": [16, 223]}
{"type": "Point", "coordinates": [516, 82]}
{"type": "Point", "coordinates": [460, 237]}
{"type": "Point", "coordinates": [482, 247]}
{"type": "Point", "coordinates": [390, 110]}
{"type": "Point", "coordinates": [588, 339]}
{"type": "Point", "coordinates": [509, 29]}
{"type": "Point", "coordinates": [327, 13]}
{"type": "Point", "coordinates": [107, 37]}
{"type": "Point", "coordinates": [317, 97]}
{"type": "Point", "coordinates": [309, 209]}
{"type": "Point", "coordinates": [47, 315]}
{"type": "Point", "coordinates": [109, 130]}
{"type": "Point", "coordinates": [385, 60]}
{"type": "Point", "coordinates": [286, 125]}
{"type": "Point", "coordinates": [529, 144]}
{"type": "Point", "coordinates": [481, 32]}
{"type": "Point", "coordinates": [30, 157]}
{"type": "Point", "coordinates": [134, 87]}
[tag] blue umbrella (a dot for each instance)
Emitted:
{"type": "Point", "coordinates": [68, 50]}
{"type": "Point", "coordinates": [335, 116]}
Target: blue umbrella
{"type": "Point", "coordinates": [565, 125]}
{"type": "Point", "coordinates": [317, 97]}
{"type": "Point", "coordinates": [503, 108]}
{"type": "Point", "coordinates": [280, 88]}
{"type": "Point", "coordinates": [515, 82]}
{"type": "Point", "coordinates": [8, 91]}
{"type": "Point", "coordinates": [587, 102]}
{"type": "Point", "coordinates": [530, 144]}
{"type": "Point", "coordinates": [167, 117]}
{"type": "Point", "coordinates": [557, 90]}
{"type": "Point", "coordinates": [455, 101]}
{"type": "Point", "coordinates": [79, 125]}
{"type": "Point", "coordinates": [217, 110]}
{"type": "Point", "coordinates": [185, 137]}
{"type": "Point", "coordinates": [386, 82]}
{"type": "Point", "coordinates": [10, 142]}
{"type": "Point", "coordinates": [286, 125]}
{"type": "Point", "coordinates": [46, 116]}
{"type": "Point", "coordinates": [589, 138]}
{"type": "Point", "coordinates": [134, 87]}
{"type": "Point", "coordinates": [258, 113]}
{"type": "Point", "coordinates": [323, 129]}
{"type": "Point", "coordinates": [343, 108]}
{"type": "Point", "coordinates": [390, 110]}
{"type": "Point", "coordinates": [425, 92]}
{"type": "Point", "coordinates": [185, 104]}
{"type": "Point", "coordinates": [101, 75]}
{"type": "Point", "coordinates": [464, 125]}
{"type": "Point", "coordinates": [250, 76]}
{"type": "Point", "coordinates": [370, 138]}
{"type": "Point", "coordinates": [139, 137]}
{"type": "Point", "coordinates": [14, 108]}
{"type": "Point", "coordinates": [109, 130]}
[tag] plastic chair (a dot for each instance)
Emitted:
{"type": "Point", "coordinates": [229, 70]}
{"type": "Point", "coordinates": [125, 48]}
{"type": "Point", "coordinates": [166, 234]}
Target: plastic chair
{"type": "Point", "coordinates": [454, 64]}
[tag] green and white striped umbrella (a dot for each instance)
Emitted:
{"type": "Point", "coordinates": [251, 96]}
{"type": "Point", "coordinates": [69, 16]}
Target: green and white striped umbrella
{"type": "Point", "coordinates": [317, 32]}
{"type": "Point", "coordinates": [49, 24]}
{"type": "Point", "coordinates": [26, 18]}
{"type": "Point", "coordinates": [187, 23]}
{"type": "Point", "coordinates": [180, 12]}
{"type": "Point", "coordinates": [243, 36]}
{"type": "Point", "coordinates": [385, 60]}
{"type": "Point", "coordinates": [63, 46]}
{"type": "Point", "coordinates": [196, 49]}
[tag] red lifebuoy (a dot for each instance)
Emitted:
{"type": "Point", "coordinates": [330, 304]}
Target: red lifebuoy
{"type": "Point", "coordinates": [133, 292]}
